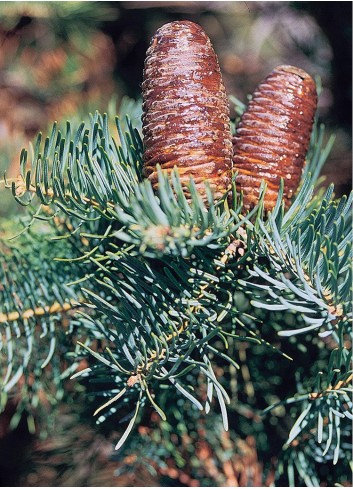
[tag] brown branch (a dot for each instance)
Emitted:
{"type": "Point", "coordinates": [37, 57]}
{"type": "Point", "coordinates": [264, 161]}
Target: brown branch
{"type": "Point", "coordinates": [342, 383]}
{"type": "Point", "coordinates": [38, 311]}
{"type": "Point", "coordinates": [20, 189]}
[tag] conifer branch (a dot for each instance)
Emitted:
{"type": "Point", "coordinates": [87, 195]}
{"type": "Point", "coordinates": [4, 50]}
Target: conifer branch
{"type": "Point", "coordinates": [157, 286]}
{"type": "Point", "coordinates": [157, 356]}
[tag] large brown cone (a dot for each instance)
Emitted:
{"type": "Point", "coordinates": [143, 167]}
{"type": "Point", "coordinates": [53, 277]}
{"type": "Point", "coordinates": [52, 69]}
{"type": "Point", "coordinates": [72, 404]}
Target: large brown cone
{"type": "Point", "coordinates": [185, 110]}
{"type": "Point", "coordinates": [273, 135]}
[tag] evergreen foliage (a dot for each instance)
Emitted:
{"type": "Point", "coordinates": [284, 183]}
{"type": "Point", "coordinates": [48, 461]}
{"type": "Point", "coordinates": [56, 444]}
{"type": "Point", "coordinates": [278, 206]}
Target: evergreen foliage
{"type": "Point", "coordinates": [149, 290]}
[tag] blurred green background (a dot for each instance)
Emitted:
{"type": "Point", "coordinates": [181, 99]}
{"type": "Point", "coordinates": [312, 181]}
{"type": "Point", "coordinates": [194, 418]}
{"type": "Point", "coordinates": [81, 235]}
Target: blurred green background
{"type": "Point", "coordinates": [61, 60]}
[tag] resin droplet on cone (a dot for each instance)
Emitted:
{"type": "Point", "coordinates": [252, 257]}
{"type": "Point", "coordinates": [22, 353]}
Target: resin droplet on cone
{"type": "Point", "coordinates": [273, 136]}
{"type": "Point", "coordinates": [185, 110]}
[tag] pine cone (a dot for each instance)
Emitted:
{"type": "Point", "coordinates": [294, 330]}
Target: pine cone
{"type": "Point", "coordinates": [273, 136]}
{"type": "Point", "coordinates": [185, 110]}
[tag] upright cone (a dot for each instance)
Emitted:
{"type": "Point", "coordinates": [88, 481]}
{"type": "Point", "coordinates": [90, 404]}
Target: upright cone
{"type": "Point", "coordinates": [273, 136]}
{"type": "Point", "coordinates": [185, 110]}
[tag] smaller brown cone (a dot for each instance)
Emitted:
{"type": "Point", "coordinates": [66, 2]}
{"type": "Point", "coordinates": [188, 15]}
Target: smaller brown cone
{"type": "Point", "coordinates": [273, 136]}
